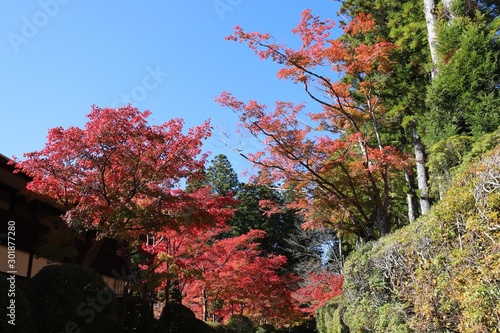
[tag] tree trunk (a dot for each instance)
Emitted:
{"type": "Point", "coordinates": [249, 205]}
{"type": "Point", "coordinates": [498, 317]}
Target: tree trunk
{"type": "Point", "coordinates": [204, 305]}
{"type": "Point", "coordinates": [447, 8]}
{"type": "Point", "coordinates": [341, 257]}
{"type": "Point", "coordinates": [382, 220]}
{"type": "Point", "coordinates": [430, 19]}
{"type": "Point", "coordinates": [411, 197]}
{"type": "Point", "coordinates": [422, 179]}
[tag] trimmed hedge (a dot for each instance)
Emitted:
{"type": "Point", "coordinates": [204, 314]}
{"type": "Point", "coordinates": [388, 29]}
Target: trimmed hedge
{"type": "Point", "coordinates": [240, 324]}
{"type": "Point", "coordinates": [329, 317]}
{"type": "Point", "coordinates": [69, 297]}
{"type": "Point", "coordinates": [178, 318]}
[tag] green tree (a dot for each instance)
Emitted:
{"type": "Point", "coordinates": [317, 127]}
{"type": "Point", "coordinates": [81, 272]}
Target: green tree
{"type": "Point", "coordinates": [402, 23]}
{"type": "Point", "coordinates": [464, 98]}
{"type": "Point", "coordinates": [221, 176]}
{"type": "Point", "coordinates": [254, 213]}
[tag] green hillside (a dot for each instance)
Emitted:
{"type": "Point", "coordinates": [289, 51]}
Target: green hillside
{"type": "Point", "coordinates": [438, 274]}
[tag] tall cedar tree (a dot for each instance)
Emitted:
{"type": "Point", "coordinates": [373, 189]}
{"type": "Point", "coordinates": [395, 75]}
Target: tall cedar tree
{"type": "Point", "coordinates": [221, 176]}
{"type": "Point", "coordinates": [249, 214]}
{"type": "Point", "coordinates": [464, 98]}
{"type": "Point", "coordinates": [404, 91]}
{"type": "Point", "coordinates": [341, 169]}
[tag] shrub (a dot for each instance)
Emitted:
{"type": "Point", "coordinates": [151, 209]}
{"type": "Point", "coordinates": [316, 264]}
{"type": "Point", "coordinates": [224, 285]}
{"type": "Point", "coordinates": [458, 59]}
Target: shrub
{"type": "Point", "coordinates": [178, 318]}
{"type": "Point", "coordinates": [390, 319]}
{"type": "Point", "coordinates": [69, 297]}
{"type": "Point", "coordinates": [240, 324]}
{"type": "Point", "coordinates": [23, 316]}
{"type": "Point", "coordinates": [307, 326]}
{"type": "Point", "coordinates": [329, 317]}
{"type": "Point", "coordinates": [438, 274]}
{"type": "Point", "coordinates": [266, 328]}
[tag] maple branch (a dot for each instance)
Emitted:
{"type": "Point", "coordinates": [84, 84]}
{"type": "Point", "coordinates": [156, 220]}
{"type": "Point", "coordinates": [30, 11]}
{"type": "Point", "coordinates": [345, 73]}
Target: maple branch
{"type": "Point", "coordinates": [286, 59]}
{"type": "Point", "coordinates": [322, 181]}
{"type": "Point", "coordinates": [329, 187]}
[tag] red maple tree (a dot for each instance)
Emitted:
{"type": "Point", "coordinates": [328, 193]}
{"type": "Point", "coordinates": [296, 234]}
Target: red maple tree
{"type": "Point", "coordinates": [170, 251]}
{"type": "Point", "coordinates": [337, 164]}
{"type": "Point", "coordinates": [317, 289]}
{"type": "Point", "coordinates": [121, 176]}
{"type": "Point", "coordinates": [234, 278]}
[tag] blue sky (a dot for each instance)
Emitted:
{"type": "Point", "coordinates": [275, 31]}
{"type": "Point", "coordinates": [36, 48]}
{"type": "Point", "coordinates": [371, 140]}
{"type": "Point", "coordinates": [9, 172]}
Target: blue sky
{"type": "Point", "coordinates": [58, 57]}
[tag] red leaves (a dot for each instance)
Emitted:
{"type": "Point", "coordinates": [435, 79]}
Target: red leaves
{"type": "Point", "coordinates": [318, 50]}
{"type": "Point", "coordinates": [232, 273]}
{"type": "Point", "coordinates": [117, 174]}
{"type": "Point", "coordinates": [222, 275]}
{"type": "Point", "coordinates": [317, 289]}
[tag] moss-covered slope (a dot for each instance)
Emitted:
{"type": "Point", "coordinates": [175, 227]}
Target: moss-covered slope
{"type": "Point", "coordinates": [439, 274]}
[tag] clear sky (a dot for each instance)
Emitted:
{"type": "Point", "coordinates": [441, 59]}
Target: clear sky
{"type": "Point", "coordinates": [58, 57]}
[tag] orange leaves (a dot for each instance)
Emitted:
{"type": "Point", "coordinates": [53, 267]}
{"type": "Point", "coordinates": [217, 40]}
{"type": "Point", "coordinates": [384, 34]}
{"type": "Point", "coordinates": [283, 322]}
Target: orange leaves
{"type": "Point", "coordinates": [311, 29]}
{"type": "Point", "coordinates": [369, 59]}
{"type": "Point", "coordinates": [389, 157]}
{"type": "Point", "coordinates": [336, 53]}
{"type": "Point", "coordinates": [318, 49]}
{"type": "Point", "coordinates": [313, 33]}
{"type": "Point", "coordinates": [360, 24]}
{"type": "Point", "coordinates": [335, 163]}
{"type": "Point", "coordinates": [254, 40]}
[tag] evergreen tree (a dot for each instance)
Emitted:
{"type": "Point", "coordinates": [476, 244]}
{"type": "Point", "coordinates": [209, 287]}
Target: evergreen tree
{"type": "Point", "coordinates": [251, 215]}
{"type": "Point", "coordinates": [464, 98]}
{"type": "Point", "coordinates": [403, 92]}
{"type": "Point", "coordinates": [221, 176]}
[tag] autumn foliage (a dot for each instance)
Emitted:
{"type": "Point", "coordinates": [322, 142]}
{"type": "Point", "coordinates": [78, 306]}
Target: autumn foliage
{"type": "Point", "coordinates": [337, 162]}
{"type": "Point", "coordinates": [317, 289]}
{"type": "Point", "coordinates": [218, 277]}
{"type": "Point", "coordinates": [121, 176]}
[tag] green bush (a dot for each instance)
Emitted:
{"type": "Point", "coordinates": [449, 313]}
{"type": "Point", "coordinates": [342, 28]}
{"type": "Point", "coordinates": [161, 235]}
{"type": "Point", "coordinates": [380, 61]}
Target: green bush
{"type": "Point", "coordinates": [390, 319]}
{"type": "Point", "coordinates": [329, 317]}
{"type": "Point", "coordinates": [240, 324]}
{"type": "Point", "coordinates": [23, 317]}
{"type": "Point", "coordinates": [69, 297]}
{"type": "Point", "coordinates": [266, 328]}
{"type": "Point", "coordinates": [178, 318]}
